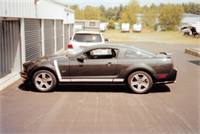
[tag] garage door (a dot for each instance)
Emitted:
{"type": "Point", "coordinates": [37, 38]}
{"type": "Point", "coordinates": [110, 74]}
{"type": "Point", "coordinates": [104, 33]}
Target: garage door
{"type": "Point", "coordinates": [59, 34]}
{"type": "Point", "coordinates": [49, 37]}
{"type": "Point", "coordinates": [66, 34]}
{"type": "Point", "coordinates": [33, 44]}
{"type": "Point", "coordinates": [9, 44]}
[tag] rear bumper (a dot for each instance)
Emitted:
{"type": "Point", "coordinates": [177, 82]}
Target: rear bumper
{"type": "Point", "coordinates": [171, 78]}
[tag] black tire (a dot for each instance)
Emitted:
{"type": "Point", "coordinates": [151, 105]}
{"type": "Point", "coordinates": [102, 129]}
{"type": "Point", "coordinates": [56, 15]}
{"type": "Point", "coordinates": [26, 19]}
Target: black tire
{"type": "Point", "coordinates": [140, 82]}
{"type": "Point", "coordinates": [44, 80]}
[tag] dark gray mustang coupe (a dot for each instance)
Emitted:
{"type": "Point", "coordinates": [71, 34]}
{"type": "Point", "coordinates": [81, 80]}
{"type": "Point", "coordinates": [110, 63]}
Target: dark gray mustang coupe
{"type": "Point", "coordinates": [102, 64]}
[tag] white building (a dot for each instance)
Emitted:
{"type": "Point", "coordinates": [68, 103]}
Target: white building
{"type": "Point", "coordinates": [125, 27]}
{"type": "Point", "coordinates": [89, 25]}
{"type": "Point", "coordinates": [30, 29]}
{"type": "Point", "coordinates": [190, 18]}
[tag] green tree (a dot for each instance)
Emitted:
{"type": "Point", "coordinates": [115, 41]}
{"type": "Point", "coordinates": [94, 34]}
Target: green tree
{"type": "Point", "coordinates": [128, 15]}
{"type": "Point", "coordinates": [170, 16]}
{"type": "Point", "coordinates": [102, 13]}
{"type": "Point", "coordinates": [110, 14]}
{"type": "Point", "coordinates": [91, 12]}
{"type": "Point", "coordinates": [111, 24]}
{"type": "Point", "coordinates": [119, 12]}
{"type": "Point", "coordinates": [79, 14]}
{"type": "Point", "coordinates": [150, 16]}
{"type": "Point", "coordinates": [193, 8]}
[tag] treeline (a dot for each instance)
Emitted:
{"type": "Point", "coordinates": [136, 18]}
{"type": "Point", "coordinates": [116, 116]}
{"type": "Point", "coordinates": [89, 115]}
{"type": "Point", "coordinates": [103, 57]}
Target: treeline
{"type": "Point", "coordinates": [167, 15]}
{"type": "Point", "coordinates": [193, 8]}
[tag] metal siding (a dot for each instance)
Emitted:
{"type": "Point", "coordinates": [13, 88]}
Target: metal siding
{"type": "Point", "coordinates": [33, 44]}
{"type": "Point", "coordinates": [71, 29]}
{"type": "Point", "coordinates": [17, 8]}
{"type": "Point", "coordinates": [66, 34]}
{"type": "Point", "coordinates": [49, 37]}
{"type": "Point", "coordinates": [45, 9]}
{"type": "Point", "coordinates": [59, 34]}
{"type": "Point", "coordinates": [9, 41]}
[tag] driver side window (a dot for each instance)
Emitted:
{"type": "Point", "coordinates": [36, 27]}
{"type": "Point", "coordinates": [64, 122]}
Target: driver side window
{"type": "Point", "coordinates": [101, 54]}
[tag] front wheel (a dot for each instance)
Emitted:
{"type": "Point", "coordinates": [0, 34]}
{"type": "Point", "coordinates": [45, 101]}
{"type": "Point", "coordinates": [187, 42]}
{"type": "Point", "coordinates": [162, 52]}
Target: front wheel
{"type": "Point", "coordinates": [44, 80]}
{"type": "Point", "coordinates": [140, 82]}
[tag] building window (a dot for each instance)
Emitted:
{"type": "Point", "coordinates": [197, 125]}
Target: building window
{"type": "Point", "coordinates": [92, 24]}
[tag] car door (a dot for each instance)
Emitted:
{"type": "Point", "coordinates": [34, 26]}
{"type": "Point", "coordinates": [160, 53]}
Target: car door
{"type": "Point", "coordinates": [96, 65]}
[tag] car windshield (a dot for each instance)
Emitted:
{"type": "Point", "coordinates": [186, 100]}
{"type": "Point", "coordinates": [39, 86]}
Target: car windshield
{"type": "Point", "coordinates": [83, 37]}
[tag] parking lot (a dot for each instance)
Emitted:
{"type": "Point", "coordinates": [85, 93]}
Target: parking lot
{"type": "Point", "coordinates": [93, 109]}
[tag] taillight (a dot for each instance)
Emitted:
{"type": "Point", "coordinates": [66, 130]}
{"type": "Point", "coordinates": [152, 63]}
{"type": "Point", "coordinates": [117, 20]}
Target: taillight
{"type": "Point", "coordinates": [70, 46]}
{"type": "Point", "coordinates": [162, 76]}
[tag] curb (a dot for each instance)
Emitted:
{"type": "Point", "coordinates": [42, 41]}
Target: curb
{"type": "Point", "coordinates": [7, 81]}
{"type": "Point", "coordinates": [193, 51]}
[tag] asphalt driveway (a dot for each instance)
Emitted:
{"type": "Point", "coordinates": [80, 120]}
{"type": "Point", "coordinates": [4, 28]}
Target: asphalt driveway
{"type": "Point", "coordinates": [99, 109]}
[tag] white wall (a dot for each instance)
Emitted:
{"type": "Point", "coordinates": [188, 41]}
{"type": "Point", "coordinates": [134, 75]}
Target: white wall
{"type": "Point", "coordinates": [17, 8]}
{"type": "Point", "coordinates": [49, 10]}
{"type": "Point", "coordinates": [69, 17]}
{"type": "Point", "coordinates": [44, 9]}
{"type": "Point", "coordinates": [190, 18]}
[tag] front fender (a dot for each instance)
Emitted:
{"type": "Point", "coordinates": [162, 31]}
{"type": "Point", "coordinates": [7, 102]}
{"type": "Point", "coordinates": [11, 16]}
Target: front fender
{"type": "Point", "coordinates": [42, 66]}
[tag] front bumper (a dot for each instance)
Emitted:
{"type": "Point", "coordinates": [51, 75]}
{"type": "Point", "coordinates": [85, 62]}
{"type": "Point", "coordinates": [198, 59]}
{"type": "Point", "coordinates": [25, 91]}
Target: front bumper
{"type": "Point", "coordinates": [171, 78]}
{"type": "Point", "coordinates": [24, 75]}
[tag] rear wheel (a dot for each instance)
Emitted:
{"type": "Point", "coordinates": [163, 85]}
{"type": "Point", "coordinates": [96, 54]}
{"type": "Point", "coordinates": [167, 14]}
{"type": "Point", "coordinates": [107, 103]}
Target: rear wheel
{"type": "Point", "coordinates": [44, 80]}
{"type": "Point", "coordinates": [140, 82]}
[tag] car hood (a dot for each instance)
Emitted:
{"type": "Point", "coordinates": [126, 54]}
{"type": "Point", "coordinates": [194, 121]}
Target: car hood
{"type": "Point", "coordinates": [51, 58]}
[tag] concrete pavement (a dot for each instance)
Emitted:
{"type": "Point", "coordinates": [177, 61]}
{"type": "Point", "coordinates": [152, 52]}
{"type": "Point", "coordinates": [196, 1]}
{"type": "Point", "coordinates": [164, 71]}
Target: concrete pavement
{"type": "Point", "coordinates": [193, 51]}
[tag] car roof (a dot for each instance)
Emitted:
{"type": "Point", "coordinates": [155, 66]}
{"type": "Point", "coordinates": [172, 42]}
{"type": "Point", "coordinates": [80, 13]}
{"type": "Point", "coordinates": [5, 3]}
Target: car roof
{"type": "Point", "coordinates": [118, 46]}
{"type": "Point", "coordinates": [114, 46]}
{"type": "Point", "coordinates": [86, 32]}
{"type": "Point", "coordinates": [109, 45]}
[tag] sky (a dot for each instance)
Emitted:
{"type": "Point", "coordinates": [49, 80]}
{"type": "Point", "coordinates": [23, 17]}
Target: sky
{"type": "Point", "coordinates": [111, 3]}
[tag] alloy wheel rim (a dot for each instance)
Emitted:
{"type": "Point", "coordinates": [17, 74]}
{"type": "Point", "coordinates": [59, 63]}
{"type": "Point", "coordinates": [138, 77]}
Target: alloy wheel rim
{"type": "Point", "coordinates": [140, 82]}
{"type": "Point", "coordinates": [43, 81]}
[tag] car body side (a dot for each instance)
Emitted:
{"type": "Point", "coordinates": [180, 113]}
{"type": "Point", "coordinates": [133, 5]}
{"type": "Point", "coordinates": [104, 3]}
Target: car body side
{"type": "Point", "coordinates": [155, 66]}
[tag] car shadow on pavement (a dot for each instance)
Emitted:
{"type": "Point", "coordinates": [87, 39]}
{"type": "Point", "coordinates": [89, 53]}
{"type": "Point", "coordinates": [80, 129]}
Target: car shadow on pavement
{"type": "Point", "coordinates": [95, 88]}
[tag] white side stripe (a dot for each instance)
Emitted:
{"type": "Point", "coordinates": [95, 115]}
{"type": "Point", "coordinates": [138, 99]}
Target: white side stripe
{"type": "Point", "coordinates": [91, 80]}
{"type": "Point", "coordinates": [58, 72]}
{"type": "Point", "coordinates": [118, 80]}
{"type": "Point", "coordinates": [57, 69]}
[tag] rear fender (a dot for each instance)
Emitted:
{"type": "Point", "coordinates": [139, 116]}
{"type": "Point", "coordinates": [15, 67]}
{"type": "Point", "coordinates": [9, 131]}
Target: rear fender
{"type": "Point", "coordinates": [142, 67]}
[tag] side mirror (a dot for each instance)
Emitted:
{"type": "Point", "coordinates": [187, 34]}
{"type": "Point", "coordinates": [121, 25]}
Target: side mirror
{"type": "Point", "coordinates": [106, 40]}
{"type": "Point", "coordinates": [81, 58]}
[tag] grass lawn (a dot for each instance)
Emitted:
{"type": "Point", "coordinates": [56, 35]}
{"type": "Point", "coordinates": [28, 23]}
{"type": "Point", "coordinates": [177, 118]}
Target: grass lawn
{"type": "Point", "coordinates": [151, 37]}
